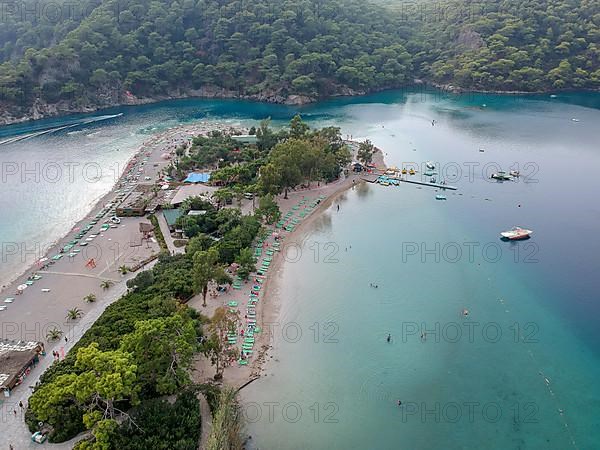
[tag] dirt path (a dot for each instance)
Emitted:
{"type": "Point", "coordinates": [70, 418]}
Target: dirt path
{"type": "Point", "coordinates": [206, 421]}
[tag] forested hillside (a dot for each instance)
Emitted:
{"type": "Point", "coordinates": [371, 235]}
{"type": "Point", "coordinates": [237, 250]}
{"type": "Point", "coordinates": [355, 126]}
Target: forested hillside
{"type": "Point", "coordinates": [289, 51]}
{"type": "Point", "coordinates": [38, 23]}
{"type": "Point", "coordinates": [516, 45]}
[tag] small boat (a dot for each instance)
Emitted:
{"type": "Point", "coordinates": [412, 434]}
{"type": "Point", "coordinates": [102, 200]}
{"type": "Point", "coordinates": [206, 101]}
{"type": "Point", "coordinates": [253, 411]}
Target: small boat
{"type": "Point", "coordinates": [501, 176]}
{"type": "Point", "coordinates": [46, 290]}
{"type": "Point", "coordinates": [514, 173]}
{"type": "Point", "coordinates": [411, 172]}
{"type": "Point", "coordinates": [430, 165]}
{"type": "Point", "coordinates": [516, 233]}
{"type": "Point", "coordinates": [432, 180]}
{"type": "Point", "coordinates": [440, 197]}
{"type": "Point", "coordinates": [481, 150]}
{"type": "Point", "coordinates": [404, 172]}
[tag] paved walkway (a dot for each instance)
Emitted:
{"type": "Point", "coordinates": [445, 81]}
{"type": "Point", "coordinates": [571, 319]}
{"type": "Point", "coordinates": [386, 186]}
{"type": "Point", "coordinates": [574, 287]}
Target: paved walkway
{"type": "Point", "coordinates": [164, 228]}
{"type": "Point", "coordinates": [13, 430]}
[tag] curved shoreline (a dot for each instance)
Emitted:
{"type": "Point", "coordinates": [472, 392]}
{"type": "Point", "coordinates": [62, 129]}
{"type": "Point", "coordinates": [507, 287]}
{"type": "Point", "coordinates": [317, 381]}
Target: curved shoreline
{"type": "Point", "coordinates": [7, 119]}
{"type": "Point", "coordinates": [32, 314]}
{"type": "Point", "coordinates": [269, 307]}
{"type": "Point", "coordinates": [54, 244]}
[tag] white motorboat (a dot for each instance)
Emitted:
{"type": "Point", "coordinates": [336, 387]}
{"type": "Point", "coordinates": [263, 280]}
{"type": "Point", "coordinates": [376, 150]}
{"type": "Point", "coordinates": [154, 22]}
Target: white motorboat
{"type": "Point", "coordinates": [516, 233]}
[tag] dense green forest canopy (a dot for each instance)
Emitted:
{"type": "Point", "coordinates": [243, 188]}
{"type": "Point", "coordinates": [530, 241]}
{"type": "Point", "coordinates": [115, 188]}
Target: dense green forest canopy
{"type": "Point", "coordinates": [271, 49]}
{"type": "Point", "coordinates": [508, 45]}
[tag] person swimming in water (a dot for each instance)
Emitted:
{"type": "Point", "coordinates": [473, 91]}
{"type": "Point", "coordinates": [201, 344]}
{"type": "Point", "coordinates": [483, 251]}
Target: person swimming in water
{"type": "Point", "coordinates": [389, 338]}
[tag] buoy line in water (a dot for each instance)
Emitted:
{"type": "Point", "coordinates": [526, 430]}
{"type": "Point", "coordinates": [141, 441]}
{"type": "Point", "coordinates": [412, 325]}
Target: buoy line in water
{"type": "Point", "coordinates": [547, 383]}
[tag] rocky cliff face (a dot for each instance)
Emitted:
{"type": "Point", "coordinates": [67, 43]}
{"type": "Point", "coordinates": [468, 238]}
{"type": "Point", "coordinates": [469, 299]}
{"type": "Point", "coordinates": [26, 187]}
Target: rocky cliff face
{"type": "Point", "coordinates": [469, 39]}
{"type": "Point", "coordinates": [10, 114]}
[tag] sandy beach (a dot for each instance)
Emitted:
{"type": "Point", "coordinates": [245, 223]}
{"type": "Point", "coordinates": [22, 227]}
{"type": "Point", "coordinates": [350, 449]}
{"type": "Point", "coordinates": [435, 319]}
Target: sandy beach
{"type": "Point", "coordinates": [50, 287]}
{"type": "Point", "coordinates": [55, 285]}
{"type": "Point", "coordinates": [267, 309]}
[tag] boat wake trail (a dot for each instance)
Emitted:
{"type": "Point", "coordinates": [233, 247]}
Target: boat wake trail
{"type": "Point", "coordinates": [22, 137]}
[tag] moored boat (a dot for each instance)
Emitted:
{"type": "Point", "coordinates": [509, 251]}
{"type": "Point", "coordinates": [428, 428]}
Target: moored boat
{"type": "Point", "coordinates": [516, 233]}
{"type": "Point", "coordinates": [501, 176]}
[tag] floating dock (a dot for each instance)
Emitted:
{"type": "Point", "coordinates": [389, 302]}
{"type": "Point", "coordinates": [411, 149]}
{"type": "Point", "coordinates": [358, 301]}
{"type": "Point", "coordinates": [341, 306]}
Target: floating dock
{"type": "Point", "coordinates": [435, 185]}
{"type": "Point", "coordinates": [396, 181]}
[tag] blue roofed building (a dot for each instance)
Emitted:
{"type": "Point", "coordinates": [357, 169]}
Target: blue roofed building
{"type": "Point", "coordinates": [197, 177]}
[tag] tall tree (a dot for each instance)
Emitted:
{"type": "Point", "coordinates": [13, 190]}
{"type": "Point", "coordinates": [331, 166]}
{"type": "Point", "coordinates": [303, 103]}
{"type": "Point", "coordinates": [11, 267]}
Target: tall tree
{"type": "Point", "coordinates": [217, 348]}
{"type": "Point", "coordinates": [365, 152]}
{"type": "Point", "coordinates": [208, 269]}
{"type": "Point", "coordinates": [298, 128]}
{"type": "Point", "coordinates": [265, 137]}
{"type": "Point", "coordinates": [163, 349]}
{"type": "Point", "coordinates": [102, 379]}
{"type": "Point", "coordinates": [246, 262]}
{"type": "Point", "coordinates": [268, 209]}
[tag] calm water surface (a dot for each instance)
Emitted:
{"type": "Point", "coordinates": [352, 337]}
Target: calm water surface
{"type": "Point", "coordinates": [519, 372]}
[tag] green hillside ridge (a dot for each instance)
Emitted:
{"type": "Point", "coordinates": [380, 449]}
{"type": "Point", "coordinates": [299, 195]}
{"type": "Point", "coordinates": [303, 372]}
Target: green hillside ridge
{"type": "Point", "coordinates": [288, 51]}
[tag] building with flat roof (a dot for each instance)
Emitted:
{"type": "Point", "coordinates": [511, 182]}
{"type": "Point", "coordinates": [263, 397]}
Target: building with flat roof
{"type": "Point", "coordinates": [245, 138]}
{"type": "Point", "coordinates": [193, 190]}
{"type": "Point", "coordinates": [197, 177]}
{"type": "Point", "coordinates": [171, 216]}
{"type": "Point", "coordinates": [133, 205]}
{"type": "Point", "coordinates": [16, 360]}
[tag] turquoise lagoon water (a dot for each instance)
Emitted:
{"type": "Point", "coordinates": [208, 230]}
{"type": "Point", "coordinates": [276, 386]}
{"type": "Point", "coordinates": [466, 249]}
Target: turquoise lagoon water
{"type": "Point", "coordinates": [341, 374]}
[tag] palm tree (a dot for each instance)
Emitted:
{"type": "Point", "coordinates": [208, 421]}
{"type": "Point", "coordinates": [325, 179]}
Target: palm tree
{"type": "Point", "coordinates": [90, 298]}
{"type": "Point", "coordinates": [74, 314]}
{"type": "Point", "coordinates": [106, 284]}
{"type": "Point", "coordinates": [54, 334]}
{"type": "Point", "coordinates": [123, 270]}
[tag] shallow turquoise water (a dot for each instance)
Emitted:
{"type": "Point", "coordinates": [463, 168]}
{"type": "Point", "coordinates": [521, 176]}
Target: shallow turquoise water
{"type": "Point", "coordinates": [343, 367]}
{"type": "Point", "coordinates": [543, 291]}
